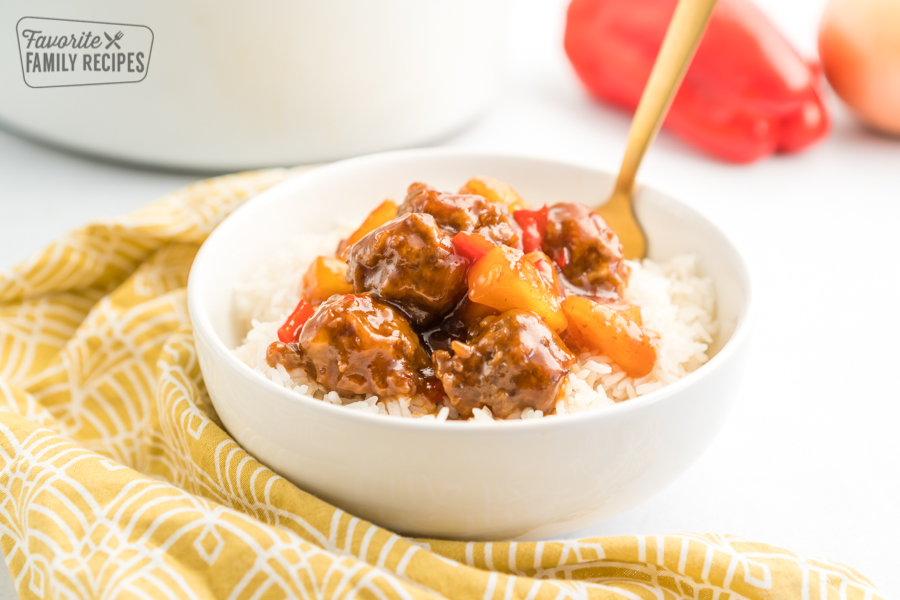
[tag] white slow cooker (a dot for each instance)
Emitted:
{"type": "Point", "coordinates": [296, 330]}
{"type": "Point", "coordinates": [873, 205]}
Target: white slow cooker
{"type": "Point", "coordinates": [227, 85]}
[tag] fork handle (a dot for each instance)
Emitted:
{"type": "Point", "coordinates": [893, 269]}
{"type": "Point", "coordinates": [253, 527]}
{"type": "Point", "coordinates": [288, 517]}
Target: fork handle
{"type": "Point", "coordinates": [675, 54]}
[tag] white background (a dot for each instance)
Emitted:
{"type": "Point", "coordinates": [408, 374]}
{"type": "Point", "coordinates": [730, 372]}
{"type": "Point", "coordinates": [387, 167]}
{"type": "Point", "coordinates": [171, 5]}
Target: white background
{"type": "Point", "coordinates": [810, 458]}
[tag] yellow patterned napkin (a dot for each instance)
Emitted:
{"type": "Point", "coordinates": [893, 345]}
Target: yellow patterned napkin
{"type": "Point", "coordinates": [118, 481]}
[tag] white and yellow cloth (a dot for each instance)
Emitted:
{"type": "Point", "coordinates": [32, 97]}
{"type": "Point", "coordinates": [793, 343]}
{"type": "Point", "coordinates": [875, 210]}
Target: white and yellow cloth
{"type": "Point", "coordinates": [117, 479]}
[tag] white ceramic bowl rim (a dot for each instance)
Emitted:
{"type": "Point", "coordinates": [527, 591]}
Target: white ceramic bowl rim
{"type": "Point", "coordinates": [203, 326]}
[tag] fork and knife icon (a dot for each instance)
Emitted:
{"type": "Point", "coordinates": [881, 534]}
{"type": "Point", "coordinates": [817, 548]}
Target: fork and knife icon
{"type": "Point", "coordinates": [114, 40]}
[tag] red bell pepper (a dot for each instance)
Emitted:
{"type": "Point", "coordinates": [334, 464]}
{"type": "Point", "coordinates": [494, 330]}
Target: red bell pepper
{"type": "Point", "coordinates": [290, 331]}
{"type": "Point", "coordinates": [561, 257]}
{"type": "Point", "coordinates": [747, 93]}
{"type": "Point", "coordinates": [534, 225]}
{"type": "Point", "coordinates": [471, 246]}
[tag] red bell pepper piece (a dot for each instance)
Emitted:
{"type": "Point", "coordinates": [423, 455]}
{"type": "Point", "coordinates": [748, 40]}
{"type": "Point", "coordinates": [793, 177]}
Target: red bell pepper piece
{"type": "Point", "coordinates": [290, 332]}
{"type": "Point", "coordinates": [561, 257]}
{"type": "Point", "coordinates": [746, 94]}
{"type": "Point", "coordinates": [471, 246]}
{"type": "Point", "coordinates": [534, 225]}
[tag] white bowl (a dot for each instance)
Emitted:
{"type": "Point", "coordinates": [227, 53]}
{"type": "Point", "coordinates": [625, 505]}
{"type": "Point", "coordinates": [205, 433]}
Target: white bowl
{"type": "Point", "coordinates": [232, 84]}
{"type": "Point", "coordinates": [532, 478]}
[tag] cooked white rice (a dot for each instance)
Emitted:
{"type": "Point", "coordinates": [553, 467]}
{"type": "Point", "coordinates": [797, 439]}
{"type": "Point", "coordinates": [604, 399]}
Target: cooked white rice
{"type": "Point", "coordinates": [677, 305]}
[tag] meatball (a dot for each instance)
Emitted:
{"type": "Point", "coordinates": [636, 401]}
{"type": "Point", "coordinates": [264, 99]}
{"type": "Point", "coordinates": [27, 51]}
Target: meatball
{"type": "Point", "coordinates": [587, 250]}
{"type": "Point", "coordinates": [357, 344]}
{"type": "Point", "coordinates": [463, 212]}
{"type": "Point", "coordinates": [410, 263]}
{"type": "Point", "coordinates": [512, 362]}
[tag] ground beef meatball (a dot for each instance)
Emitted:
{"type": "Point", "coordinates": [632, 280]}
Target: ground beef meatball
{"type": "Point", "coordinates": [463, 212]}
{"type": "Point", "coordinates": [410, 263]}
{"type": "Point", "coordinates": [584, 246]}
{"type": "Point", "coordinates": [356, 344]}
{"type": "Point", "coordinates": [512, 362]}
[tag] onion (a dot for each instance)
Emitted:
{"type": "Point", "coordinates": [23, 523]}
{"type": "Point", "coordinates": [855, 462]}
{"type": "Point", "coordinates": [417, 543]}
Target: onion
{"type": "Point", "coordinates": [859, 45]}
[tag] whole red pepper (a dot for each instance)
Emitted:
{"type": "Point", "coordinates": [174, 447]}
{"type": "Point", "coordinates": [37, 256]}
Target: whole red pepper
{"type": "Point", "coordinates": [747, 93]}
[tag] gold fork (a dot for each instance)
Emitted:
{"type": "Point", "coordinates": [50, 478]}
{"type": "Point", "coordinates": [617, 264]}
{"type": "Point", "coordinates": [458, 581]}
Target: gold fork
{"type": "Point", "coordinates": [678, 47]}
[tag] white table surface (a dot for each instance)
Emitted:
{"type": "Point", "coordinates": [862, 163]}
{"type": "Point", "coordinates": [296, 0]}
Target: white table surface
{"type": "Point", "coordinates": [810, 458]}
